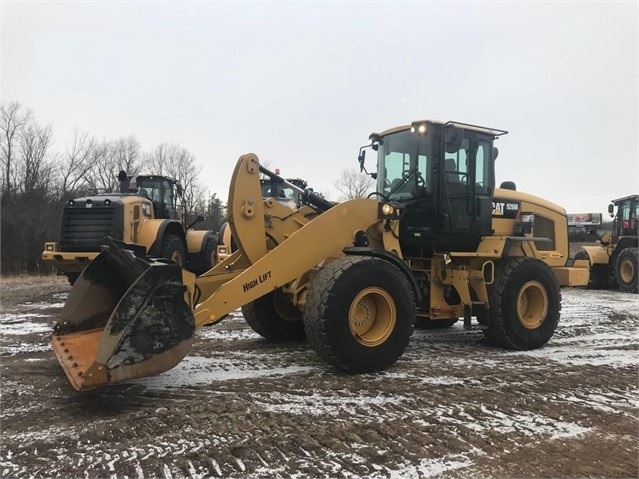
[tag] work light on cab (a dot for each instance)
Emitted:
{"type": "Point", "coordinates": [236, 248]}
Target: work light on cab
{"type": "Point", "coordinates": [419, 127]}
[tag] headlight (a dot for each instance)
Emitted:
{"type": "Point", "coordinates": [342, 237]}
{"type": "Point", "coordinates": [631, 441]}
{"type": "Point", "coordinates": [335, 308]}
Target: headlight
{"type": "Point", "coordinates": [389, 211]}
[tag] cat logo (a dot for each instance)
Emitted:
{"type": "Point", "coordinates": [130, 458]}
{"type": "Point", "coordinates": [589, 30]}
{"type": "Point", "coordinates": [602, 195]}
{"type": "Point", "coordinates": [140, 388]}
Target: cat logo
{"type": "Point", "coordinates": [505, 209]}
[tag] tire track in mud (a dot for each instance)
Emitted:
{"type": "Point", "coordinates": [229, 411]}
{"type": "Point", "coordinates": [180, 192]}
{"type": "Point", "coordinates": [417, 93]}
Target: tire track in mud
{"type": "Point", "coordinates": [238, 406]}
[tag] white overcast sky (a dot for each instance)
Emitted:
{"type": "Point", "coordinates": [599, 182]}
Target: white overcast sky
{"type": "Point", "coordinates": [303, 84]}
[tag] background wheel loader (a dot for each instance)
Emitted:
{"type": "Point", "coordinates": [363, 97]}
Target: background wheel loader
{"type": "Point", "coordinates": [288, 192]}
{"type": "Point", "coordinates": [146, 211]}
{"type": "Point", "coordinates": [613, 259]}
{"type": "Point", "coordinates": [437, 241]}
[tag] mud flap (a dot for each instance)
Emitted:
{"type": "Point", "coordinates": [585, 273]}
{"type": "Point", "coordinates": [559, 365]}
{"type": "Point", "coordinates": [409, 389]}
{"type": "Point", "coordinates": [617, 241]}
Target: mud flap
{"type": "Point", "coordinates": [125, 318]}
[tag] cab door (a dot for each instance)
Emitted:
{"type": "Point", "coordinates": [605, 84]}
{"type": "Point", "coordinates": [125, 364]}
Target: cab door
{"type": "Point", "coordinates": [466, 185]}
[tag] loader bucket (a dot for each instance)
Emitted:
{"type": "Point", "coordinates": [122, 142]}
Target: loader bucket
{"type": "Point", "coordinates": [125, 318]}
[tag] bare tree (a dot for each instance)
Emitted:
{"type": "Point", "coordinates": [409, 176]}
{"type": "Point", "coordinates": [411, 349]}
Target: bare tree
{"type": "Point", "coordinates": [354, 184]}
{"type": "Point", "coordinates": [26, 217]}
{"type": "Point", "coordinates": [35, 166]}
{"type": "Point", "coordinates": [177, 162]}
{"type": "Point", "coordinates": [127, 154]}
{"type": "Point", "coordinates": [13, 120]}
{"type": "Point", "coordinates": [107, 158]}
{"type": "Point", "coordinates": [75, 164]}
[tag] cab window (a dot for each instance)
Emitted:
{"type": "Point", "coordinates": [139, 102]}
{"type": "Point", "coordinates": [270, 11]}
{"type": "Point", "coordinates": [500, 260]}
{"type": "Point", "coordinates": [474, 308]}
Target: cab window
{"type": "Point", "coordinates": [484, 168]}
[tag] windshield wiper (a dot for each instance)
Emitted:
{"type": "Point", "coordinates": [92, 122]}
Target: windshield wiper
{"type": "Point", "coordinates": [405, 179]}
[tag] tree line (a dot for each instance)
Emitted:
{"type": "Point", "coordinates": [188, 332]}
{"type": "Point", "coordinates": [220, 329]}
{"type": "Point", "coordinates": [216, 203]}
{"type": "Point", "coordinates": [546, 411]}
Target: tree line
{"type": "Point", "coordinates": [37, 180]}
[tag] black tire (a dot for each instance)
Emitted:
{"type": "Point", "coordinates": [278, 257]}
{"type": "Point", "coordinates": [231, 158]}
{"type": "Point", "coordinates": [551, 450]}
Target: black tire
{"type": "Point", "coordinates": [626, 266]}
{"type": "Point", "coordinates": [597, 276]}
{"type": "Point", "coordinates": [275, 318]}
{"type": "Point", "coordinates": [525, 304]}
{"type": "Point", "coordinates": [203, 261]}
{"type": "Point", "coordinates": [173, 248]}
{"type": "Point", "coordinates": [72, 277]}
{"type": "Point", "coordinates": [431, 324]}
{"type": "Point", "coordinates": [360, 314]}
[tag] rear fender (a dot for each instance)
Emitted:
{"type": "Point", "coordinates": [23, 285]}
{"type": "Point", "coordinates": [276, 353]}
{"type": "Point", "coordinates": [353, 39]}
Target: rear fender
{"type": "Point", "coordinates": [597, 254]}
{"type": "Point", "coordinates": [153, 231]}
{"type": "Point", "coordinates": [196, 240]}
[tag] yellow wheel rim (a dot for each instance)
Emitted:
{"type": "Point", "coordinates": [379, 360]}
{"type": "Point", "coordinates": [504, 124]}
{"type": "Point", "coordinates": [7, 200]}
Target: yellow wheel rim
{"type": "Point", "coordinates": [532, 304]}
{"type": "Point", "coordinates": [372, 316]}
{"type": "Point", "coordinates": [627, 270]}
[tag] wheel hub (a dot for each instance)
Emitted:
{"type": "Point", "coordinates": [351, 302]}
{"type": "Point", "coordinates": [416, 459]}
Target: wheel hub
{"type": "Point", "coordinates": [627, 271]}
{"type": "Point", "coordinates": [372, 316]}
{"type": "Point", "coordinates": [532, 304]}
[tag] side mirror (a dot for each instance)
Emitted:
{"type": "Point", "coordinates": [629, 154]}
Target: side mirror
{"type": "Point", "coordinates": [453, 139]}
{"type": "Point", "coordinates": [611, 209]}
{"type": "Point", "coordinates": [361, 158]}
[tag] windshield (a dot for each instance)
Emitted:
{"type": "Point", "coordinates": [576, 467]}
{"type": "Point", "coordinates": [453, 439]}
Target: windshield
{"type": "Point", "coordinates": [281, 192]}
{"type": "Point", "coordinates": [156, 189]}
{"type": "Point", "coordinates": [403, 166]}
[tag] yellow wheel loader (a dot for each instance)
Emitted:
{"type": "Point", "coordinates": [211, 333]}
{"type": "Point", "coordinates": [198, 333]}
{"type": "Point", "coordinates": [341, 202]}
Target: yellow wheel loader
{"type": "Point", "coordinates": [613, 259]}
{"type": "Point", "coordinates": [145, 211]}
{"type": "Point", "coordinates": [435, 243]}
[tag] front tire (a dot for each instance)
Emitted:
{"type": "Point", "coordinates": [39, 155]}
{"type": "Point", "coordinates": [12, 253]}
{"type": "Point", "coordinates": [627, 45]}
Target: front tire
{"type": "Point", "coordinates": [360, 314]}
{"type": "Point", "coordinates": [173, 248]}
{"type": "Point", "coordinates": [626, 270]}
{"type": "Point", "coordinates": [525, 304]}
{"type": "Point", "coordinates": [275, 318]}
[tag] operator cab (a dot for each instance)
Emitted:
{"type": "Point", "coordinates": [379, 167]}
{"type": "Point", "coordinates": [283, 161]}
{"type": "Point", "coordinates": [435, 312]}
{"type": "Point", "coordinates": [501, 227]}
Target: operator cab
{"type": "Point", "coordinates": [163, 192]}
{"type": "Point", "coordinates": [441, 177]}
{"type": "Point", "coordinates": [282, 192]}
{"type": "Point", "coordinates": [626, 220]}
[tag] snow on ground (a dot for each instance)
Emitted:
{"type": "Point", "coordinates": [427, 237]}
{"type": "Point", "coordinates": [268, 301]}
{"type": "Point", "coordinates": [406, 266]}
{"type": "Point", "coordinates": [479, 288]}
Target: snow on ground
{"type": "Point", "coordinates": [597, 329]}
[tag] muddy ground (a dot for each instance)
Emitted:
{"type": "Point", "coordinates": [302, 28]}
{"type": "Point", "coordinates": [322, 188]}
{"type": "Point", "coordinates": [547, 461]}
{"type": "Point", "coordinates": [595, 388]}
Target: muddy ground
{"type": "Point", "coordinates": [237, 406]}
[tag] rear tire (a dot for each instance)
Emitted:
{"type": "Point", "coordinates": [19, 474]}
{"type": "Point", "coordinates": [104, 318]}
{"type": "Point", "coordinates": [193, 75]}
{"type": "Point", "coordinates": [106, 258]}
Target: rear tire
{"type": "Point", "coordinates": [525, 304]}
{"type": "Point", "coordinates": [626, 270]}
{"type": "Point", "coordinates": [173, 248]}
{"type": "Point", "coordinates": [72, 277]}
{"type": "Point", "coordinates": [275, 318]}
{"type": "Point", "coordinates": [203, 261]}
{"type": "Point", "coordinates": [598, 279]}
{"type": "Point", "coordinates": [360, 314]}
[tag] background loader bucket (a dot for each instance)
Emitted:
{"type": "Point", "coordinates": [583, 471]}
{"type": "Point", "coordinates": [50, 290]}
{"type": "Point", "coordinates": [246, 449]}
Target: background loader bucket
{"type": "Point", "coordinates": [125, 317]}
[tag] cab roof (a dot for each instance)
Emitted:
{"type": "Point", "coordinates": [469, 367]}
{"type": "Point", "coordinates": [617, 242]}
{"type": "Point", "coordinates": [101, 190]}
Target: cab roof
{"type": "Point", "coordinates": [480, 129]}
{"type": "Point", "coordinates": [631, 197]}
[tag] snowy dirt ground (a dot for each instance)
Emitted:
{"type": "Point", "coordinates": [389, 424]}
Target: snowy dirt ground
{"type": "Point", "coordinates": [237, 406]}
